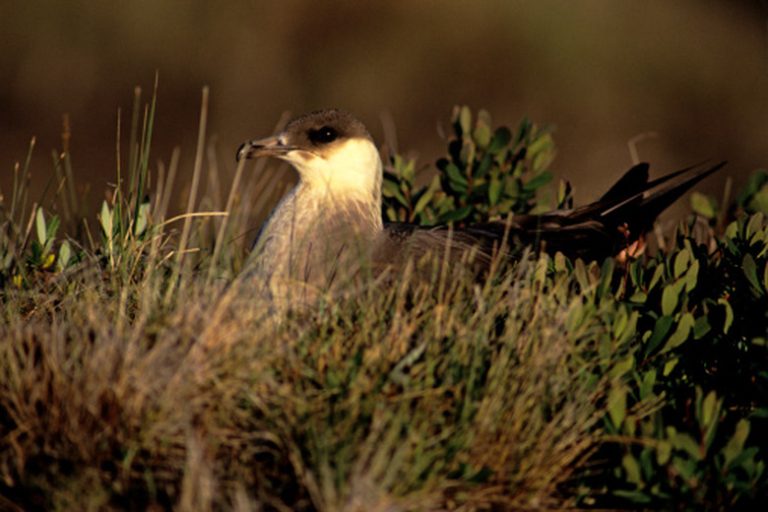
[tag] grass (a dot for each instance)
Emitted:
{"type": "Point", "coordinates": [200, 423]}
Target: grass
{"type": "Point", "coordinates": [138, 372]}
{"type": "Point", "coordinates": [115, 398]}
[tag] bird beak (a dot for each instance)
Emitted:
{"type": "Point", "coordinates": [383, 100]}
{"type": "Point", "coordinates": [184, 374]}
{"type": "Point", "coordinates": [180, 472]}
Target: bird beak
{"type": "Point", "coordinates": [271, 146]}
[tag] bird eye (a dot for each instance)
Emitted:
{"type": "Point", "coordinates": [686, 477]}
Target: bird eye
{"type": "Point", "coordinates": [323, 135]}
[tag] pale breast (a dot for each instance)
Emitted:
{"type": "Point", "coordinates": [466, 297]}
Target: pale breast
{"type": "Point", "coordinates": [313, 243]}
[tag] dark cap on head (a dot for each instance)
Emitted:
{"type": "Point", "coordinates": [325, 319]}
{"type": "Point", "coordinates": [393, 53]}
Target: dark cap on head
{"type": "Point", "coordinates": [323, 127]}
{"type": "Point", "coordinates": [311, 132]}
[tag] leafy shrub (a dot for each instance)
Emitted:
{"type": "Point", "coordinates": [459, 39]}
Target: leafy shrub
{"type": "Point", "coordinates": [135, 372]}
{"type": "Point", "coordinates": [692, 394]}
{"type": "Point", "coordinates": [487, 173]}
{"type": "Point", "coordinates": [698, 355]}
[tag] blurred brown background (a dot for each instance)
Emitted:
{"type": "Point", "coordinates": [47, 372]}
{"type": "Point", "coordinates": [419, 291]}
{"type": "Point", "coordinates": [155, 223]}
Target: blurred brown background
{"type": "Point", "coordinates": [600, 71]}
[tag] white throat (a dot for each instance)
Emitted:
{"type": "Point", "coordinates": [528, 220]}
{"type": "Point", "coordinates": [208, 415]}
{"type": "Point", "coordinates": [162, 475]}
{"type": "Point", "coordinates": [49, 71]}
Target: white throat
{"type": "Point", "coordinates": [336, 204]}
{"type": "Point", "coordinates": [351, 170]}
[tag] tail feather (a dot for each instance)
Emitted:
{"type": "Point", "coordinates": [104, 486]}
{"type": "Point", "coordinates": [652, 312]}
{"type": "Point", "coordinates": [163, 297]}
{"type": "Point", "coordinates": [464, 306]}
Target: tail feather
{"type": "Point", "coordinates": [603, 228]}
{"type": "Point", "coordinates": [658, 200]}
{"type": "Point", "coordinates": [594, 231]}
{"type": "Point", "coordinates": [633, 180]}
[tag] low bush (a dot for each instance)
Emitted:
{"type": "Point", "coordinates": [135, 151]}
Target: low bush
{"type": "Point", "coordinates": [136, 371]}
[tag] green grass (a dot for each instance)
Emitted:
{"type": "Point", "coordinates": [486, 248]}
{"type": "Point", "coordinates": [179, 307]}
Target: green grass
{"type": "Point", "coordinates": [137, 371]}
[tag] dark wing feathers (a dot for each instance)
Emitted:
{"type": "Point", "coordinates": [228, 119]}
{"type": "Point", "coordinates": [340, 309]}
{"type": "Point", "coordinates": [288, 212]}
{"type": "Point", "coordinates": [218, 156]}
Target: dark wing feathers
{"type": "Point", "coordinates": [594, 231]}
{"type": "Point", "coordinates": [633, 180]}
{"type": "Point", "coordinates": [660, 198]}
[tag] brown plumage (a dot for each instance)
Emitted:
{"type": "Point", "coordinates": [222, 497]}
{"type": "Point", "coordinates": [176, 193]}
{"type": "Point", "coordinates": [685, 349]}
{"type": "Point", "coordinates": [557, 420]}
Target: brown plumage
{"type": "Point", "coordinates": [331, 221]}
{"type": "Point", "coordinates": [594, 231]}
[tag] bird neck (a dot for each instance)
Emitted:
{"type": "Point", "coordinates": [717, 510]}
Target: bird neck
{"type": "Point", "coordinates": [312, 223]}
{"type": "Point", "coordinates": [337, 185]}
{"type": "Point", "coordinates": [361, 205]}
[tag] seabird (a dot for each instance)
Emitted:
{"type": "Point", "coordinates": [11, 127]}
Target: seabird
{"type": "Point", "coordinates": [331, 220]}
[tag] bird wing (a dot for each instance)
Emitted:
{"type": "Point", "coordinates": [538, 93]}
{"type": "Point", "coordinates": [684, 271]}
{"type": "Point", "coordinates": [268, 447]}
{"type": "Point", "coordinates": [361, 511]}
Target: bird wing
{"type": "Point", "coordinates": [593, 231]}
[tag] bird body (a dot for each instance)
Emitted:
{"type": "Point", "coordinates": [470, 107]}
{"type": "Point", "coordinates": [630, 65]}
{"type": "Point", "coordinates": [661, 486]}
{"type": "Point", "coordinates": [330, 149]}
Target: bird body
{"type": "Point", "coordinates": [329, 227]}
{"type": "Point", "coordinates": [309, 237]}
{"type": "Point", "coordinates": [331, 220]}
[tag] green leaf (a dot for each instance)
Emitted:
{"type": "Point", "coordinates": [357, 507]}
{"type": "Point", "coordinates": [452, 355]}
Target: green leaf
{"type": "Point", "coordinates": [143, 220]}
{"type": "Point", "coordinates": [538, 181]}
{"type": "Point", "coordinates": [617, 404]}
{"type": "Point", "coordinates": [685, 467]}
{"type": "Point", "coordinates": [575, 316]}
{"type": "Point", "coordinates": [681, 333]}
{"type": "Point", "coordinates": [623, 366]}
{"type": "Point", "coordinates": [48, 261]}
{"type": "Point", "coordinates": [542, 160]}
{"type": "Point", "coordinates": [632, 468]}
{"type": "Point", "coordinates": [494, 191]}
{"type": "Point", "coordinates": [53, 227]}
{"type": "Point", "coordinates": [457, 179]}
{"type": "Point", "coordinates": [42, 229]}
{"type": "Point", "coordinates": [708, 435]}
{"type": "Point", "coordinates": [703, 205]}
{"type": "Point", "coordinates": [728, 315]}
{"type": "Point", "coordinates": [485, 165]}
{"type": "Point", "coordinates": [467, 154]}
{"type": "Point", "coordinates": [465, 120]}
{"type": "Point", "coordinates": [701, 327]}
{"type": "Point", "coordinates": [656, 277]}
{"type": "Point", "coordinates": [392, 189]}
{"type": "Point", "coordinates": [735, 445]}
{"type": "Point", "coordinates": [683, 441]}
{"type": "Point", "coordinates": [636, 496]}
{"type": "Point", "coordinates": [669, 299]}
{"type": "Point", "coordinates": [484, 117]}
{"type": "Point", "coordinates": [542, 143]}
{"type": "Point", "coordinates": [50, 234]}
{"type": "Point", "coordinates": [457, 214]}
{"type": "Point", "coordinates": [482, 133]}
{"type": "Point", "coordinates": [389, 186]}
{"type": "Point", "coordinates": [424, 200]}
{"type": "Point", "coordinates": [540, 271]}
{"type": "Point", "coordinates": [663, 452]}
{"type": "Point", "coordinates": [708, 409]}
{"type": "Point", "coordinates": [65, 253]}
{"type": "Point", "coordinates": [580, 272]}
{"type": "Point", "coordinates": [631, 328]}
{"type": "Point", "coordinates": [759, 202]}
{"type": "Point", "coordinates": [660, 330]}
{"type": "Point", "coordinates": [754, 225]}
{"type": "Point", "coordinates": [606, 275]}
{"type": "Point", "coordinates": [560, 263]}
{"type": "Point", "coordinates": [524, 130]}
{"type": "Point", "coordinates": [749, 267]}
{"type": "Point", "coordinates": [692, 276]}
{"type": "Point", "coordinates": [501, 138]}
{"type": "Point", "coordinates": [647, 384]}
{"type": "Point", "coordinates": [669, 366]}
{"type": "Point", "coordinates": [105, 219]}
{"type": "Point", "coordinates": [408, 170]}
{"type": "Point", "coordinates": [681, 262]}
{"type": "Point", "coordinates": [564, 199]}
{"type": "Point", "coordinates": [755, 183]}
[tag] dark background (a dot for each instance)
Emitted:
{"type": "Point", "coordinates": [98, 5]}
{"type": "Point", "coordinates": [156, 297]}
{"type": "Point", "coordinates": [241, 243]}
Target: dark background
{"type": "Point", "coordinates": [599, 71]}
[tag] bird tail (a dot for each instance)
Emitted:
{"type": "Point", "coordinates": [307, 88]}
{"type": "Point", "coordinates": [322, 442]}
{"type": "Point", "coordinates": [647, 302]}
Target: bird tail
{"type": "Point", "coordinates": [639, 208]}
{"type": "Point", "coordinates": [607, 226]}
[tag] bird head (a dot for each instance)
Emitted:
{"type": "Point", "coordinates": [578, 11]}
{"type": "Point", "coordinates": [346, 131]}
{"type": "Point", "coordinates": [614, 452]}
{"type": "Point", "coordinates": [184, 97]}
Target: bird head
{"type": "Point", "coordinates": [330, 149]}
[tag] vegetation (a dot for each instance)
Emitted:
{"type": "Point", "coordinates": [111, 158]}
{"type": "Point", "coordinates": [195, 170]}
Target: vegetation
{"type": "Point", "coordinates": [136, 371]}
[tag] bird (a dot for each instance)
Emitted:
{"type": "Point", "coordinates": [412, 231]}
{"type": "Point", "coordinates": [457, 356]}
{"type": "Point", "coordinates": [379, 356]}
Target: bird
{"type": "Point", "coordinates": [331, 221]}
